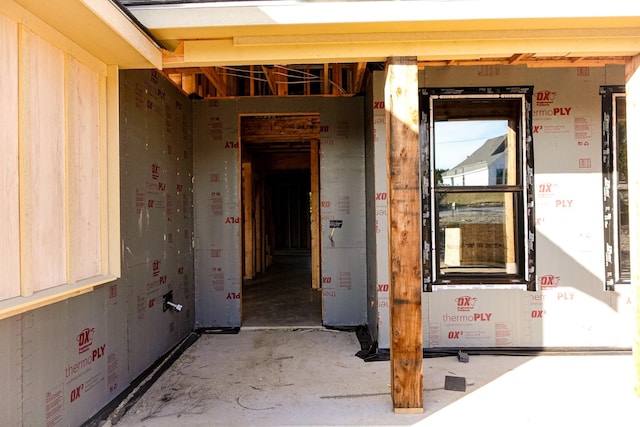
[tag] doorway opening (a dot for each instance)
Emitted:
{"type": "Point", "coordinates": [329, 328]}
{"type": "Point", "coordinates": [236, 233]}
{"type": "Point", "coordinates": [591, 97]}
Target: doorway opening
{"type": "Point", "coordinates": [280, 220]}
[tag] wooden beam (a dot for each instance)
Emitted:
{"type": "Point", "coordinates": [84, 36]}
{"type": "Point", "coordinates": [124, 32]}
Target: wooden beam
{"type": "Point", "coordinates": [269, 75]}
{"type": "Point", "coordinates": [516, 58]}
{"type": "Point", "coordinates": [405, 263]}
{"type": "Point", "coordinates": [633, 178]}
{"type": "Point", "coordinates": [358, 76]}
{"type": "Point", "coordinates": [216, 80]}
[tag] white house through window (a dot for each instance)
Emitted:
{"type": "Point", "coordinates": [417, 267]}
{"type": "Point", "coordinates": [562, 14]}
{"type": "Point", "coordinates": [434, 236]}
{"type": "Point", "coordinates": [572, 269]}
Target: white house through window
{"type": "Point", "coordinates": [477, 179]}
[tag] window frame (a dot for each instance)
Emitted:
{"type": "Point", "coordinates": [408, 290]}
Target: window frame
{"type": "Point", "coordinates": [525, 225]}
{"type": "Point", "coordinates": [611, 188]}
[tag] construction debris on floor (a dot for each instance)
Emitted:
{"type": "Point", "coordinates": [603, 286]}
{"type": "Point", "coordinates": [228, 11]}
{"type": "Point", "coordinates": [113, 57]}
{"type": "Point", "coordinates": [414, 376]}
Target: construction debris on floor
{"type": "Point", "coordinates": [311, 377]}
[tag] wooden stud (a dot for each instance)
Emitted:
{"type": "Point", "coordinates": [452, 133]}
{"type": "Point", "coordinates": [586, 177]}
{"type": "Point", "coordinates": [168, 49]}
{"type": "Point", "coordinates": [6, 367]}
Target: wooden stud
{"type": "Point", "coordinates": [315, 214]}
{"type": "Point", "coordinates": [247, 203]}
{"type": "Point", "coordinates": [252, 83]}
{"type": "Point", "coordinates": [405, 263]}
{"type": "Point", "coordinates": [510, 179]}
{"type": "Point", "coordinates": [282, 81]}
{"type": "Point", "coordinates": [258, 223]}
{"type": "Point", "coordinates": [326, 79]}
{"type": "Point", "coordinates": [269, 75]}
{"type": "Point", "coordinates": [216, 80]}
{"type": "Point", "coordinates": [336, 77]}
{"type": "Point", "coordinates": [358, 77]}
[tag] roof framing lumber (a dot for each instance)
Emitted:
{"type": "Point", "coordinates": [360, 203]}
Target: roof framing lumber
{"type": "Point", "coordinates": [216, 80]}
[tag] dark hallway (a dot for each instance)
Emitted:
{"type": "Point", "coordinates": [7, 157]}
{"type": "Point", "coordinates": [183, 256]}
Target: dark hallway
{"type": "Point", "coordinates": [282, 296]}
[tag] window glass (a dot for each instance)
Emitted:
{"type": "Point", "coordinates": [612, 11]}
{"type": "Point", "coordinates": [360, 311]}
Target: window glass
{"type": "Point", "coordinates": [478, 206]}
{"type": "Point", "coordinates": [476, 233]}
{"type": "Point", "coordinates": [470, 152]}
{"type": "Point", "coordinates": [615, 188]}
{"type": "Point", "coordinates": [620, 144]}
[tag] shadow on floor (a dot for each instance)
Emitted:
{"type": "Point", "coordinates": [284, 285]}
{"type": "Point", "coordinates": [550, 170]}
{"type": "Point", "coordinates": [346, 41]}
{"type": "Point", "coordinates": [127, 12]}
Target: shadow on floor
{"type": "Point", "coordinates": [282, 296]}
{"type": "Point", "coordinates": [310, 377]}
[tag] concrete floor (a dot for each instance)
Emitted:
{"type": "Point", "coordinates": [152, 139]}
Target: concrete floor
{"type": "Point", "coordinates": [284, 369]}
{"type": "Point", "coordinates": [310, 377]}
{"type": "Point", "coordinates": [282, 296]}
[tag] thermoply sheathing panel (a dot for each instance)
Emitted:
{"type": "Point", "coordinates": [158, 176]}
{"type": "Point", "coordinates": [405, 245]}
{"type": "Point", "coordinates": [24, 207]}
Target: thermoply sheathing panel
{"type": "Point", "coordinates": [369, 150]}
{"type": "Point", "coordinates": [11, 371]}
{"type": "Point", "coordinates": [381, 208]}
{"type": "Point", "coordinates": [570, 307]}
{"type": "Point", "coordinates": [343, 215]}
{"type": "Point", "coordinates": [64, 354]}
{"type": "Point", "coordinates": [217, 214]}
{"type": "Point", "coordinates": [157, 215]}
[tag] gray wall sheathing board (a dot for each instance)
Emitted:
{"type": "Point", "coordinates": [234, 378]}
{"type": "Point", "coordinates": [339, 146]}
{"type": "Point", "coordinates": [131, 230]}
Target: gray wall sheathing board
{"type": "Point", "coordinates": [217, 214]}
{"type": "Point", "coordinates": [370, 171]}
{"type": "Point", "coordinates": [63, 362]}
{"type": "Point", "coordinates": [379, 116]}
{"type": "Point", "coordinates": [217, 211]}
{"type": "Point", "coordinates": [11, 371]}
{"type": "Point", "coordinates": [156, 205]}
{"type": "Point", "coordinates": [570, 307]}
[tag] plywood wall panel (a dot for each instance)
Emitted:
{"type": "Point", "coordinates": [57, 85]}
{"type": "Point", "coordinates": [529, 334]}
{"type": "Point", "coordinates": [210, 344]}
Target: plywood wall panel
{"type": "Point", "coordinates": [9, 208]}
{"type": "Point", "coordinates": [43, 173]}
{"type": "Point", "coordinates": [84, 167]}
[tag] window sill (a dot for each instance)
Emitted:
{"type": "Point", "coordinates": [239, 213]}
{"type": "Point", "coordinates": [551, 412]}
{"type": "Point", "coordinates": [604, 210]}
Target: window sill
{"type": "Point", "coordinates": [466, 286]}
{"type": "Point", "coordinates": [18, 305]}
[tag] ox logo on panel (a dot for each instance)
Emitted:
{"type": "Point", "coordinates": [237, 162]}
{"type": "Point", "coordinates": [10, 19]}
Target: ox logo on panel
{"type": "Point", "coordinates": [85, 339]}
{"type": "Point", "coordinates": [545, 97]}
{"type": "Point", "coordinates": [466, 303]}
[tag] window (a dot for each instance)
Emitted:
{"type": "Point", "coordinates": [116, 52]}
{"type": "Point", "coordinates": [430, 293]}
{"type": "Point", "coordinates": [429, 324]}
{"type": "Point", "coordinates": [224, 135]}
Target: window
{"type": "Point", "coordinates": [477, 169]}
{"type": "Point", "coordinates": [614, 180]}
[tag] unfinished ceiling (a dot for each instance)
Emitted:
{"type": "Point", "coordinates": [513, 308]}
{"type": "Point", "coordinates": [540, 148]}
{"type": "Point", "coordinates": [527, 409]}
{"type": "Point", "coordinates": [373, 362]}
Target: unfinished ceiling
{"type": "Point", "coordinates": [247, 48]}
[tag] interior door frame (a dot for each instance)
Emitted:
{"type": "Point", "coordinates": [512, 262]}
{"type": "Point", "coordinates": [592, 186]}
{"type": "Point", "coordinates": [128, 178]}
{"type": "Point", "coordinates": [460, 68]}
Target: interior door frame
{"type": "Point", "coordinates": [312, 135]}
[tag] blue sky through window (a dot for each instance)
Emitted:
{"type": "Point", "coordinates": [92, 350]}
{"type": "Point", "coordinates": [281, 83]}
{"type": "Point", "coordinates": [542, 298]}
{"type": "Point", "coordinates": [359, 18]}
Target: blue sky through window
{"type": "Point", "coordinates": [456, 140]}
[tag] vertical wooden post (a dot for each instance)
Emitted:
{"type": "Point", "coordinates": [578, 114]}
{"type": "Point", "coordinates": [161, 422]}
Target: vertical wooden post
{"type": "Point", "coordinates": [315, 214]}
{"type": "Point", "coordinates": [633, 176]}
{"type": "Point", "coordinates": [248, 220]}
{"type": "Point", "coordinates": [405, 256]}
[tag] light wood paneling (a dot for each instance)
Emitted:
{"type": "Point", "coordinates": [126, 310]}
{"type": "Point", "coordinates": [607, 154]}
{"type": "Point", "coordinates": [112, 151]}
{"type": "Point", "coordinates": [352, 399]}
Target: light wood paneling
{"type": "Point", "coordinates": [43, 164]}
{"type": "Point", "coordinates": [60, 211]}
{"type": "Point", "coordinates": [84, 167]}
{"type": "Point", "coordinates": [9, 208]}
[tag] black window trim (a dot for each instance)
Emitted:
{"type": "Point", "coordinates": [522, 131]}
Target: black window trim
{"type": "Point", "coordinates": [613, 277]}
{"type": "Point", "coordinates": [527, 281]}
